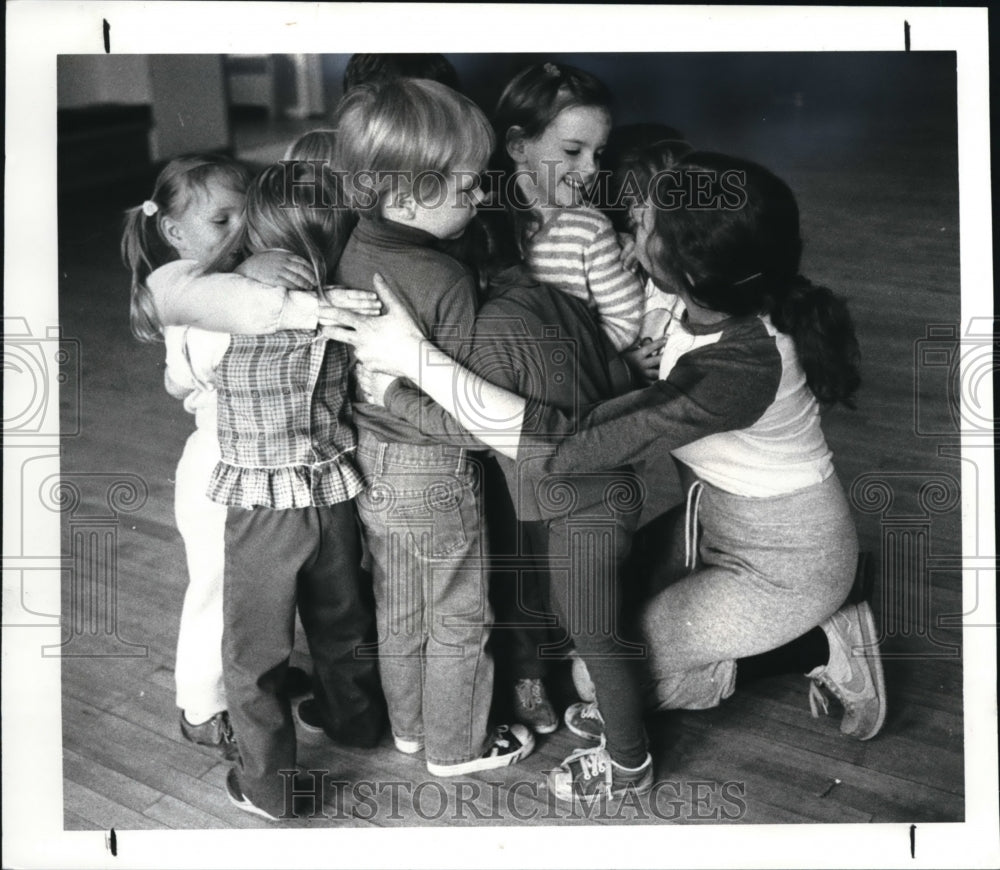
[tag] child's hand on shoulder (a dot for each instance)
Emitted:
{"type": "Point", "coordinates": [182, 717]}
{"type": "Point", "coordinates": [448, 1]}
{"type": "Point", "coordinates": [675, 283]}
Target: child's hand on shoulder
{"type": "Point", "coordinates": [628, 258]}
{"type": "Point", "coordinates": [279, 269]}
{"type": "Point", "coordinates": [644, 360]}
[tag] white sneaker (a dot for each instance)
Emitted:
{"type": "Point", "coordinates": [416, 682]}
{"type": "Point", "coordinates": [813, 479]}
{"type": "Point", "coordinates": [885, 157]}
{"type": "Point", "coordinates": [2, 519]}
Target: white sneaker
{"type": "Point", "coordinates": [409, 747]}
{"type": "Point", "coordinates": [854, 672]}
{"type": "Point", "coordinates": [507, 745]}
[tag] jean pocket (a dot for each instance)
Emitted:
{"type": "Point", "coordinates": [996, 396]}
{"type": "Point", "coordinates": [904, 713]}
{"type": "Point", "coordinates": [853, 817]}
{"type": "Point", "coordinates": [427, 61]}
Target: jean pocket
{"type": "Point", "coordinates": [441, 521]}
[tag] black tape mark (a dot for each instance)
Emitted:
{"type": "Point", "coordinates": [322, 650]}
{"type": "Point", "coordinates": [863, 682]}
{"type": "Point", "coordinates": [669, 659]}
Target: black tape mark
{"type": "Point", "coordinates": [112, 843]}
{"type": "Point", "coordinates": [913, 841]}
{"type": "Point", "coordinates": [906, 35]}
{"type": "Point", "coordinates": [107, 37]}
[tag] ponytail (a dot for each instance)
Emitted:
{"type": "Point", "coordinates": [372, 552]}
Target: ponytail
{"type": "Point", "coordinates": [821, 326]}
{"type": "Point", "coordinates": [143, 250]}
{"type": "Point", "coordinates": [741, 257]}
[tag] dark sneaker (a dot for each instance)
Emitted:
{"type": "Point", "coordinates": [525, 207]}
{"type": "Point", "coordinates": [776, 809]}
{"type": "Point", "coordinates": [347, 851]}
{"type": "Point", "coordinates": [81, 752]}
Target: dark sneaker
{"type": "Point", "coordinates": [584, 686]}
{"type": "Point", "coordinates": [589, 774]}
{"type": "Point", "coordinates": [585, 721]}
{"type": "Point", "coordinates": [533, 708]}
{"type": "Point", "coordinates": [216, 733]}
{"type": "Point", "coordinates": [238, 799]}
{"type": "Point", "coordinates": [854, 672]}
{"type": "Point", "coordinates": [364, 734]}
{"type": "Point", "coordinates": [297, 682]}
{"type": "Point", "coordinates": [507, 745]}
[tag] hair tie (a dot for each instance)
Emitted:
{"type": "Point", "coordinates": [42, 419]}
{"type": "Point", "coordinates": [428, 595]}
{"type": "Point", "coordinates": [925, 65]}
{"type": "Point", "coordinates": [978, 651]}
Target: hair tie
{"type": "Point", "coordinates": [149, 208]}
{"type": "Point", "coordinates": [551, 70]}
{"type": "Point", "coordinates": [748, 279]}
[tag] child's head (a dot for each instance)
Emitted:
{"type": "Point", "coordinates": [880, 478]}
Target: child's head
{"type": "Point", "coordinates": [371, 69]}
{"type": "Point", "coordinates": [280, 215]}
{"type": "Point", "coordinates": [638, 154]}
{"type": "Point", "coordinates": [194, 213]}
{"type": "Point", "coordinates": [412, 151]}
{"type": "Point", "coordinates": [724, 228]}
{"type": "Point", "coordinates": [314, 145]}
{"type": "Point", "coordinates": [726, 231]}
{"type": "Point", "coordinates": [552, 123]}
{"type": "Point", "coordinates": [310, 163]}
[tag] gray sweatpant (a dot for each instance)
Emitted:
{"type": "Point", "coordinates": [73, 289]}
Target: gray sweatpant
{"type": "Point", "coordinates": [769, 570]}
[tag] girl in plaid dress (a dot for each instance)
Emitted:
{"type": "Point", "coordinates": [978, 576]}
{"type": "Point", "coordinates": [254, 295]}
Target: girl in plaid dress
{"type": "Point", "coordinates": [189, 222]}
{"type": "Point", "coordinates": [288, 478]}
{"type": "Point", "coordinates": [183, 299]}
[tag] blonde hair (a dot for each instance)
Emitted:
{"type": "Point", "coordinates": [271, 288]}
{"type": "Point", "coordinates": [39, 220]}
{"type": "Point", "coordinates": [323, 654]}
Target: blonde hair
{"type": "Point", "coordinates": [314, 145]}
{"type": "Point", "coordinates": [144, 247]}
{"type": "Point", "coordinates": [401, 134]}
{"type": "Point", "coordinates": [277, 216]}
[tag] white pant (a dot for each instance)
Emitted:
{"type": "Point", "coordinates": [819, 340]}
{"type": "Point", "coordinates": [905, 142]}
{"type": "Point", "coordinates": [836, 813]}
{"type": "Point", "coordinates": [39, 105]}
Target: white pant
{"type": "Point", "coordinates": [202, 524]}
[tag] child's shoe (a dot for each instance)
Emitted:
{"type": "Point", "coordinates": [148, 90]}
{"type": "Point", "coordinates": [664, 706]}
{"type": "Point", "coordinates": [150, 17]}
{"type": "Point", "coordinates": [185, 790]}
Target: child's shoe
{"type": "Point", "coordinates": [853, 673]}
{"type": "Point", "coordinates": [238, 799]}
{"type": "Point", "coordinates": [507, 745]}
{"type": "Point", "coordinates": [585, 721]}
{"type": "Point", "coordinates": [533, 708]}
{"type": "Point", "coordinates": [407, 747]}
{"type": "Point", "coordinates": [589, 774]}
{"type": "Point", "coordinates": [216, 733]}
{"type": "Point", "coordinates": [310, 717]}
{"type": "Point", "coordinates": [582, 682]}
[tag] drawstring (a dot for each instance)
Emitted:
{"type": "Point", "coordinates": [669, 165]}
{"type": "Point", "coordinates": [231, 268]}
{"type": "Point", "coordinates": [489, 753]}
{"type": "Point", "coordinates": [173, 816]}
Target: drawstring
{"type": "Point", "coordinates": [691, 525]}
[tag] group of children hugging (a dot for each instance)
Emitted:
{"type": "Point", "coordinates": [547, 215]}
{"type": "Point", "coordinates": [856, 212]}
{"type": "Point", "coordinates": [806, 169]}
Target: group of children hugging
{"type": "Point", "coordinates": [399, 386]}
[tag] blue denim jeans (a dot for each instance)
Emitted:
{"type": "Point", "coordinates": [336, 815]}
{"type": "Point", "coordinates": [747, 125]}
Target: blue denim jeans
{"type": "Point", "coordinates": [424, 526]}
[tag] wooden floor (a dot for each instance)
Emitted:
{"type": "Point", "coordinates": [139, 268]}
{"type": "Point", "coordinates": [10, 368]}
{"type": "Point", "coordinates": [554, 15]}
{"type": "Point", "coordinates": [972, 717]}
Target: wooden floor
{"type": "Point", "coordinates": [880, 212]}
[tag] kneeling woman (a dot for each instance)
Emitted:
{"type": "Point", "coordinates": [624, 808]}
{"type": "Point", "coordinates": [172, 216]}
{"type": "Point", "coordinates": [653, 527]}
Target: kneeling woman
{"type": "Point", "coordinates": [738, 402]}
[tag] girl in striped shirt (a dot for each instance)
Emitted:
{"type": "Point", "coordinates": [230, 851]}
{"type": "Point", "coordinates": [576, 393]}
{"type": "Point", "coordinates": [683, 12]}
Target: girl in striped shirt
{"type": "Point", "coordinates": [552, 123]}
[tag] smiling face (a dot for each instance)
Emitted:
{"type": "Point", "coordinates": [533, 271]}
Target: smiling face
{"type": "Point", "coordinates": [561, 164]}
{"type": "Point", "coordinates": [209, 221]}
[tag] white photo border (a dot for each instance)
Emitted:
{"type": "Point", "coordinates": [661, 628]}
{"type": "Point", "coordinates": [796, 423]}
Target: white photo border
{"type": "Point", "coordinates": [38, 32]}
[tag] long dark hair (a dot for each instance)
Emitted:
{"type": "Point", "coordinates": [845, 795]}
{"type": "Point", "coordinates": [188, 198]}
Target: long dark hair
{"type": "Point", "coordinates": [728, 230]}
{"type": "Point", "coordinates": [530, 102]}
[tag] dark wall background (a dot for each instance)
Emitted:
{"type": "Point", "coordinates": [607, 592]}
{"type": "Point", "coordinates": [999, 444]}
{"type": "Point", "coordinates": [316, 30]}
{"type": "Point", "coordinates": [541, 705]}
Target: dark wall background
{"type": "Point", "coordinates": [758, 103]}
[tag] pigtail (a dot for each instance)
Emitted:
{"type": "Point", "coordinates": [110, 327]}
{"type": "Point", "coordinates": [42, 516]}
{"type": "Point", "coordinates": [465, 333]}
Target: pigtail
{"type": "Point", "coordinates": [821, 326]}
{"type": "Point", "coordinates": [143, 247]}
{"type": "Point", "coordinates": [143, 251]}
